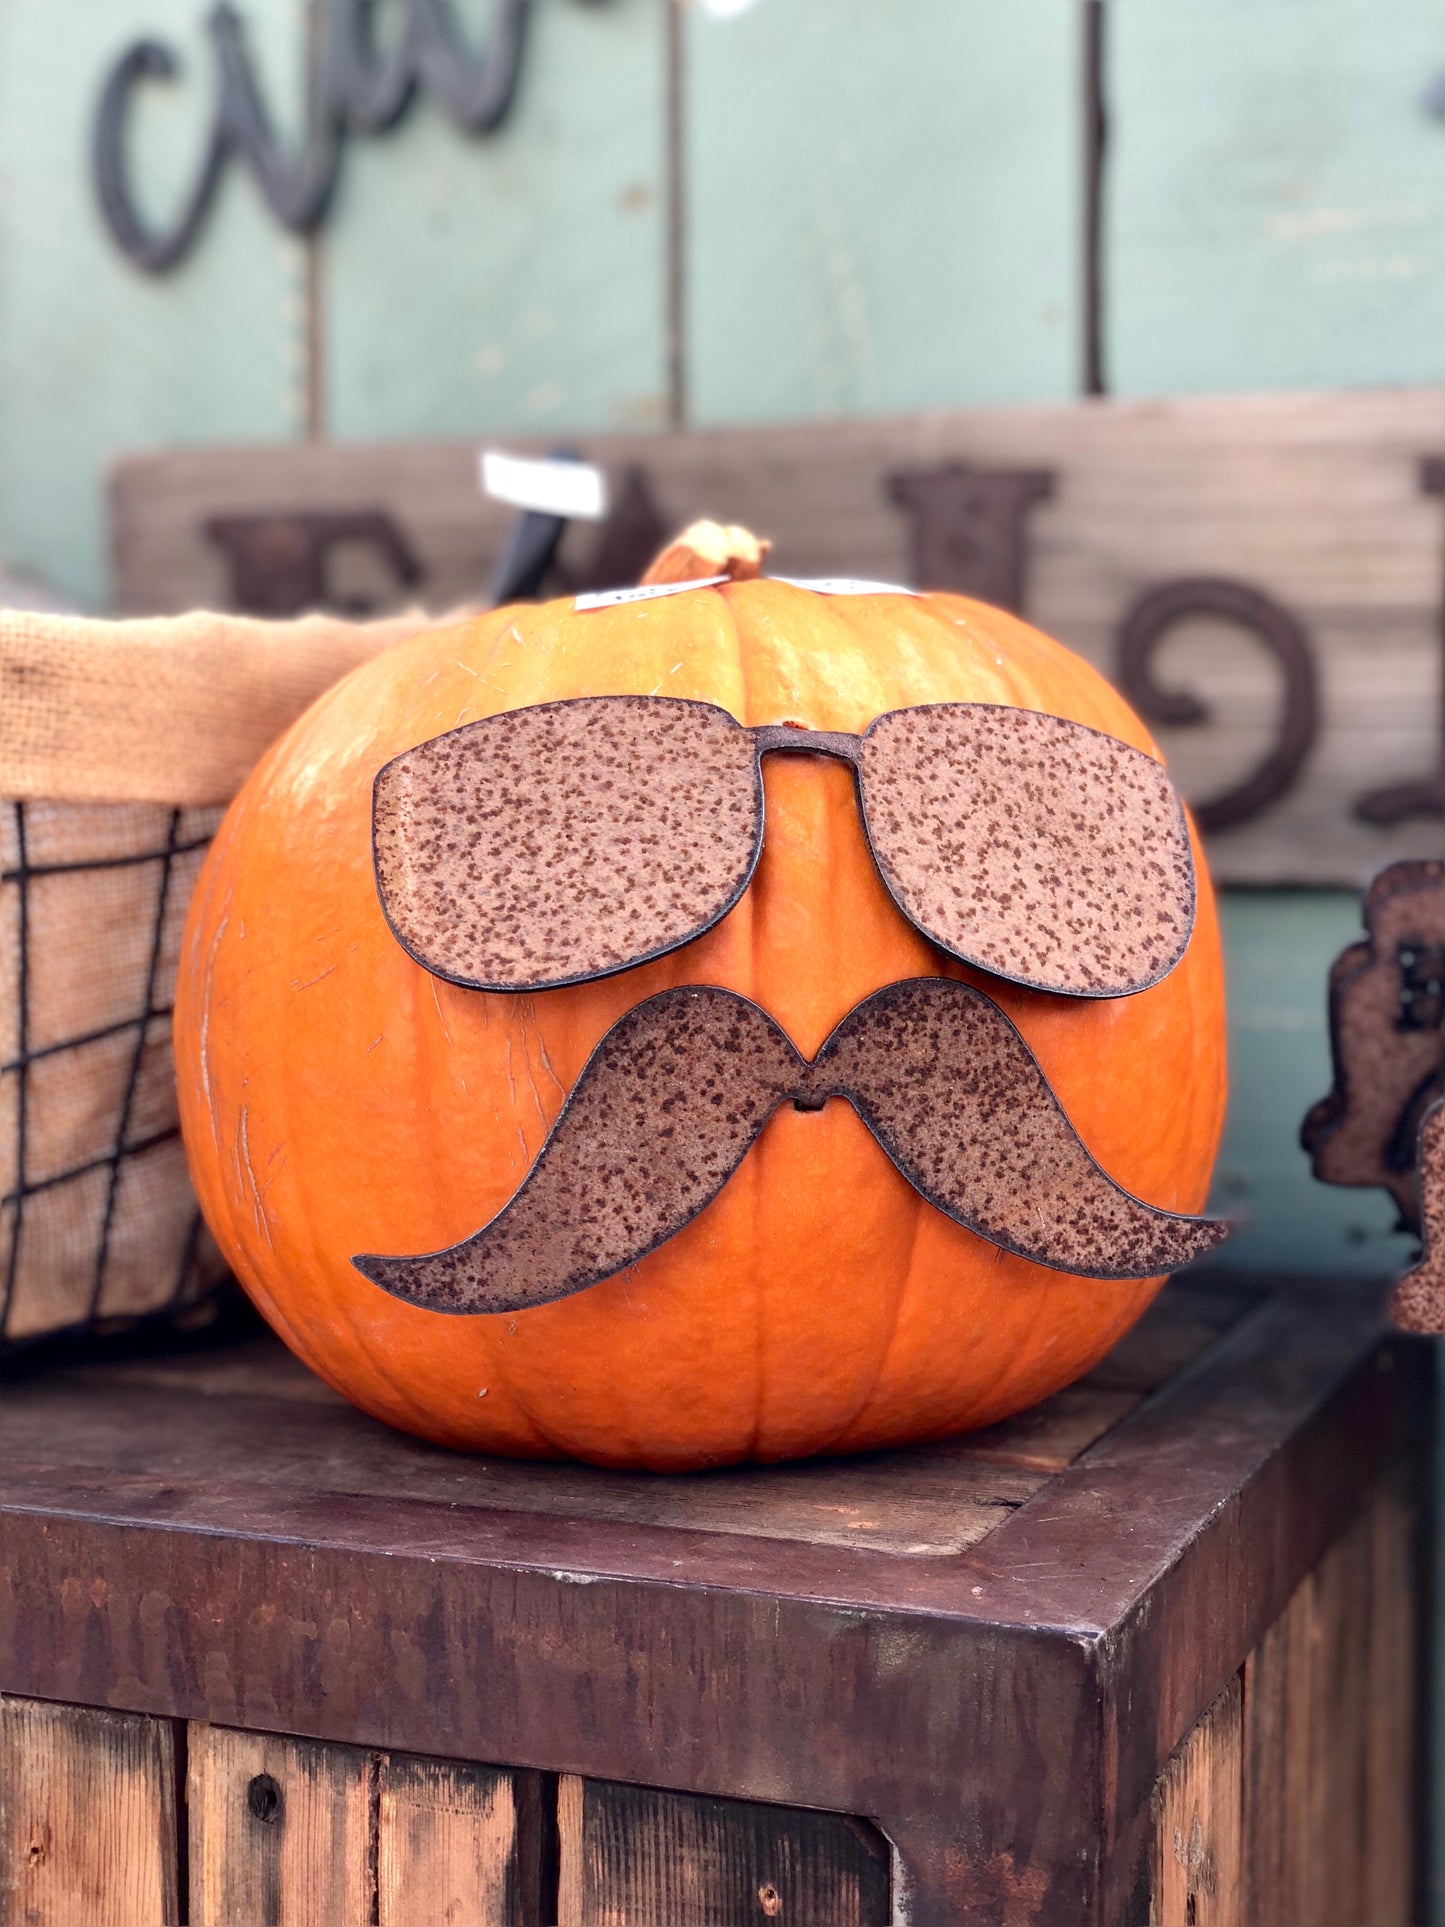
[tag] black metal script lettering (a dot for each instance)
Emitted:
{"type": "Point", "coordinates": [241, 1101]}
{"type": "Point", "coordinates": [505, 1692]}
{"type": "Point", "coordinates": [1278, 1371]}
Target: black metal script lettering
{"type": "Point", "coordinates": [352, 89]}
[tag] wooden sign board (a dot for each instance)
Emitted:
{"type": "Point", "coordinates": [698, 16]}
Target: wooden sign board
{"type": "Point", "coordinates": [1263, 575]}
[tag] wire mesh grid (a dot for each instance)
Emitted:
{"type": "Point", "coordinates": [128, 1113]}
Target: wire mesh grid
{"type": "Point", "coordinates": [98, 1223]}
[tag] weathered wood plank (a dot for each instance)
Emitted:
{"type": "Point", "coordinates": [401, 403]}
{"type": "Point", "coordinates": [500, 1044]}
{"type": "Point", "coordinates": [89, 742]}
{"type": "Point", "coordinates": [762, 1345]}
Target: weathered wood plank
{"type": "Point", "coordinates": [1278, 1709]}
{"type": "Point", "coordinates": [1051, 1435]}
{"type": "Point", "coordinates": [87, 1817]}
{"type": "Point", "coordinates": [639, 1857]}
{"type": "Point", "coordinates": [448, 1846]}
{"type": "Point", "coordinates": [1197, 1815]}
{"type": "Point", "coordinates": [1394, 1713]}
{"type": "Point", "coordinates": [875, 218]}
{"type": "Point", "coordinates": [1274, 210]}
{"type": "Point", "coordinates": [932, 1501]}
{"type": "Point", "coordinates": [536, 253]}
{"type": "Point", "coordinates": [1340, 1714]}
{"type": "Point", "coordinates": [1315, 501]}
{"type": "Point", "coordinates": [1329, 1713]}
{"type": "Point", "coordinates": [281, 1831]}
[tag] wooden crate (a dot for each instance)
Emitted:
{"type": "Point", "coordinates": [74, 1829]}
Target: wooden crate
{"type": "Point", "coordinates": [1147, 1653]}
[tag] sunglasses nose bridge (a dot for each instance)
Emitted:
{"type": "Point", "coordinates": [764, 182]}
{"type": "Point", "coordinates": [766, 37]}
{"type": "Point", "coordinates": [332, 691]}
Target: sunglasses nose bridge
{"type": "Point", "coordinates": [791, 739]}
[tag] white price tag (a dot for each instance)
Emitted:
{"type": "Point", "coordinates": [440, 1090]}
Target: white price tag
{"type": "Point", "coordinates": [576, 490]}
{"type": "Point", "coordinates": [842, 585]}
{"type": "Point", "coordinates": [611, 598]}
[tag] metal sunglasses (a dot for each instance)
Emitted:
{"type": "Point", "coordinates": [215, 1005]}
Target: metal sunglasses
{"type": "Point", "coordinates": [564, 842]}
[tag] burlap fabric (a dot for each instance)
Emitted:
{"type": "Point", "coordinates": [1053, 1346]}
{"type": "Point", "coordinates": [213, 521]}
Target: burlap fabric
{"type": "Point", "coordinates": [120, 744]}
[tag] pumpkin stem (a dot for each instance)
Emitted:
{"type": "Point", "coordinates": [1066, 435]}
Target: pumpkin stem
{"type": "Point", "coordinates": [708, 548]}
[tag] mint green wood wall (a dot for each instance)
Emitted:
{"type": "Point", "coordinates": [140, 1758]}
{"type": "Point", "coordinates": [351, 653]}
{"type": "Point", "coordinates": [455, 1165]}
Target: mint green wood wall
{"type": "Point", "coordinates": [95, 358]}
{"type": "Point", "coordinates": [881, 207]}
{"type": "Point", "coordinates": [1277, 194]}
{"type": "Point", "coordinates": [514, 282]}
{"type": "Point", "coordinates": [873, 207]}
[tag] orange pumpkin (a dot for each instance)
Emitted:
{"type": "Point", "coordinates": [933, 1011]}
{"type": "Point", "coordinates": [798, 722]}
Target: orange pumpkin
{"type": "Point", "coordinates": [336, 1098]}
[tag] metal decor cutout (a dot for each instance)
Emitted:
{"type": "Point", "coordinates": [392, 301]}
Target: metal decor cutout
{"type": "Point", "coordinates": [1418, 1304]}
{"type": "Point", "coordinates": [353, 88]}
{"type": "Point", "coordinates": [677, 1091]}
{"type": "Point", "coordinates": [1387, 1006]}
{"type": "Point", "coordinates": [557, 844]}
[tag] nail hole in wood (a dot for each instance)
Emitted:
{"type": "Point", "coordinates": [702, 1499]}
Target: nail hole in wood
{"type": "Point", "coordinates": [770, 1900]}
{"type": "Point", "coordinates": [263, 1797]}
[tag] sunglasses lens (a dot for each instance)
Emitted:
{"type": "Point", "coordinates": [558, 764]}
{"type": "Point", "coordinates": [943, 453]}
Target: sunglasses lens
{"type": "Point", "coordinates": [550, 844]}
{"type": "Point", "coordinates": [1038, 849]}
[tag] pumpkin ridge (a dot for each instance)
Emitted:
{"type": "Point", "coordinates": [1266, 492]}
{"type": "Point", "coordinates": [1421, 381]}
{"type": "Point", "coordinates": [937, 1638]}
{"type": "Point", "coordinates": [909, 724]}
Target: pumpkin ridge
{"type": "Point", "coordinates": [754, 1163]}
{"type": "Point", "coordinates": [858, 1416]}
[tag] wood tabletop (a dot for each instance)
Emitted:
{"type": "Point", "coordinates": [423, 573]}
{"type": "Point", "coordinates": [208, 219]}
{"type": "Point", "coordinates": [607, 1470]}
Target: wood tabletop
{"type": "Point", "coordinates": [230, 1434]}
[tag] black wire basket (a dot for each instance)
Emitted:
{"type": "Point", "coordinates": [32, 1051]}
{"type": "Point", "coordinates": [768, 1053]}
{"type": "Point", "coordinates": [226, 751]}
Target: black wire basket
{"type": "Point", "coordinates": [99, 1227]}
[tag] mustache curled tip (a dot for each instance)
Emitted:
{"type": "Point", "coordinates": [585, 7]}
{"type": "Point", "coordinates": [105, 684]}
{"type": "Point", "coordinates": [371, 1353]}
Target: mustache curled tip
{"type": "Point", "coordinates": [679, 1089]}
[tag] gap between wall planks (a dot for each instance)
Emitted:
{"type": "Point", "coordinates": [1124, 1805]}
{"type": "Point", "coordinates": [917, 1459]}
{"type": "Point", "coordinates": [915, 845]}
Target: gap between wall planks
{"type": "Point", "coordinates": [313, 344]}
{"type": "Point", "coordinates": [353, 1836]}
{"type": "Point", "coordinates": [675, 231]}
{"type": "Point", "coordinates": [1096, 154]}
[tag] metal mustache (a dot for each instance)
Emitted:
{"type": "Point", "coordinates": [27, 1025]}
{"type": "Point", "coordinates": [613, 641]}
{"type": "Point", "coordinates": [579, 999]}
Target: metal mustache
{"type": "Point", "coordinates": [679, 1088]}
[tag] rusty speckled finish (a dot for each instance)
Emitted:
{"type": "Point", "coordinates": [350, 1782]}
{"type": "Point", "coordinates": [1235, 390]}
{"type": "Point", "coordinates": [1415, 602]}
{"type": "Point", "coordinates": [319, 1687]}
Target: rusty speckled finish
{"type": "Point", "coordinates": [561, 843]}
{"type": "Point", "coordinates": [1051, 854]}
{"type": "Point", "coordinates": [1387, 1003]}
{"type": "Point", "coordinates": [670, 1101]}
{"type": "Point", "coordinates": [565, 841]}
{"type": "Point", "coordinates": [1418, 1304]}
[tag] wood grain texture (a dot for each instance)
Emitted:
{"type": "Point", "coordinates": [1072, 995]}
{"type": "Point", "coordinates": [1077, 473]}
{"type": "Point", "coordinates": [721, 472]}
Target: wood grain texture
{"type": "Point", "coordinates": [87, 1817]}
{"type": "Point", "coordinates": [1197, 1822]}
{"type": "Point", "coordinates": [1314, 500]}
{"type": "Point", "coordinates": [448, 1846]}
{"type": "Point", "coordinates": [281, 1831]}
{"type": "Point", "coordinates": [1278, 1875]}
{"type": "Point", "coordinates": [211, 352]}
{"type": "Point", "coordinates": [1395, 1712]}
{"type": "Point", "coordinates": [1340, 1713]}
{"type": "Point", "coordinates": [932, 1501]}
{"type": "Point", "coordinates": [512, 282]}
{"type": "Point", "coordinates": [882, 208]}
{"type": "Point", "coordinates": [1275, 195]}
{"type": "Point", "coordinates": [639, 1857]}
{"type": "Point", "coordinates": [1329, 1736]}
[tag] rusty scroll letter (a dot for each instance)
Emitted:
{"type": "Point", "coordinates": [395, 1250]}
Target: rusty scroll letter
{"type": "Point", "coordinates": [278, 562]}
{"type": "Point", "coordinates": [1144, 629]}
{"type": "Point", "coordinates": [968, 527]}
{"type": "Point", "coordinates": [1387, 1009]}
